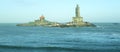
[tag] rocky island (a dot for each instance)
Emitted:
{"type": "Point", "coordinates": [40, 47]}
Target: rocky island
{"type": "Point", "coordinates": [40, 22]}
{"type": "Point", "coordinates": [77, 21]}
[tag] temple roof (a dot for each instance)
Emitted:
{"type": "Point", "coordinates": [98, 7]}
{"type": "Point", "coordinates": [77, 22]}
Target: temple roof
{"type": "Point", "coordinates": [42, 17]}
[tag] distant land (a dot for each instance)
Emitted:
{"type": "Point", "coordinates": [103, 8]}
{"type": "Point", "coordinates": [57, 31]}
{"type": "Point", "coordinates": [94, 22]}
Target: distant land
{"type": "Point", "coordinates": [77, 21]}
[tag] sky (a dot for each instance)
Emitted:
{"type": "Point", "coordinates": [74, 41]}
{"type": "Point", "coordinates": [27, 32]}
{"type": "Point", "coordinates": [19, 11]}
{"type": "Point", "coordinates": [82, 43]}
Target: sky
{"type": "Point", "coordinates": [22, 11]}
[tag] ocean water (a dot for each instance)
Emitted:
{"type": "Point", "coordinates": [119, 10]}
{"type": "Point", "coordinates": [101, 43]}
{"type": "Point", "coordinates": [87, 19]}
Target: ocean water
{"type": "Point", "coordinates": [103, 38]}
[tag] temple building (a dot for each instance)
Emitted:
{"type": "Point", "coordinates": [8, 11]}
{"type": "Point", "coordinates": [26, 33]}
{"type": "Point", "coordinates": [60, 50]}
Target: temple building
{"type": "Point", "coordinates": [41, 21]}
{"type": "Point", "coordinates": [42, 18]}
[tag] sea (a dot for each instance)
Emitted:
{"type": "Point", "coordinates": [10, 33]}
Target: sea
{"type": "Point", "coordinates": [103, 38]}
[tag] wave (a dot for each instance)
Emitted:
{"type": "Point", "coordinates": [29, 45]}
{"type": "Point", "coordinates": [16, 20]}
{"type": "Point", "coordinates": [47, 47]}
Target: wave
{"type": "Point", "coordinates": [28, 47]}
{"type": "Point", "coordinates": [56, 49]}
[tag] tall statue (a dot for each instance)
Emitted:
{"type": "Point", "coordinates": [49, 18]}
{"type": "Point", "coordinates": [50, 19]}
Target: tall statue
{"type": "Point", "coordinates": [77, 18]}
{"type": "Point", "coordinates": [77, 11]}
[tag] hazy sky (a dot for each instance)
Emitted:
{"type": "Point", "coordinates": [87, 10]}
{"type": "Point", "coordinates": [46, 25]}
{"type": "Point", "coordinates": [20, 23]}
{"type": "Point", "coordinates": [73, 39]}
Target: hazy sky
{"type": "Point", "coordinates": [21, 11]}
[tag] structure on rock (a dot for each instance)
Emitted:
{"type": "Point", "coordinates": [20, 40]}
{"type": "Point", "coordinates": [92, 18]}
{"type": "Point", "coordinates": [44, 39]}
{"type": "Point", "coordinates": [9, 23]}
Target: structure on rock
{"type": "Point", "coordinates": [40, 22]}
{"type": "Point", "coordinates": [78, 20]}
